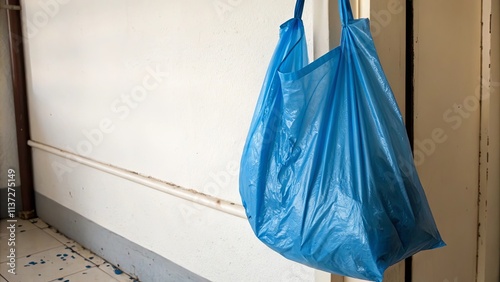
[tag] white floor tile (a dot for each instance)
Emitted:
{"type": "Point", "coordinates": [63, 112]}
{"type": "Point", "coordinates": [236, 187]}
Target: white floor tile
{"type": "Point", "coordinates": [87, 254]}
{"type": "Point", "coordinates": [21, 226]}
{"type": "Point", "coordinates": [91, 274]}
{"type": "Point", "coordinates": [30, 242]}
{"type": "Point", "coordinates": [44, 254]}
{"type": "Point", "coordinates": [39, 223]}
{"type": "Point", "coordinates": [116, 273]}
{"type": "Point", "coordinates": [58, 236]}
{"type": "Point", "coordinates": [46, 266]}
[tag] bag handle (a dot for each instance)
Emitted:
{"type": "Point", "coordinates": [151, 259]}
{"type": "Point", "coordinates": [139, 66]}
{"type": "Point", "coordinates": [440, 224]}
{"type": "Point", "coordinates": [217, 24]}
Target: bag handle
{"type": "Point", "coordinates": [345, 10]}
{"type": "Point", "coordinates": [299, 7]}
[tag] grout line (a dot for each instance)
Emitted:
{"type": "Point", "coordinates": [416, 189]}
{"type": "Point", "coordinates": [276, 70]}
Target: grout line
{"type": "Point", "coordinates": [72, 245]}
{"type": "Point", "coordinates": [107, 274]}
{"type": "Point", "coordinates": [32, 254]}
{"type": "Point", "coordinates": [78, 271]}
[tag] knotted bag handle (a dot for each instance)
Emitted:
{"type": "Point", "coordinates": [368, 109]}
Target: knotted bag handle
{"type": "Point", "coordinates": [345, 10]}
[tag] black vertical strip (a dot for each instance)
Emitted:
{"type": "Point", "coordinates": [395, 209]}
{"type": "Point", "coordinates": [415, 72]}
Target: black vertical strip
{"type": "Point", "coordinates": [409, 84]}
{"type": "Point", "coordinates": [409, 97]}
{"type": "Point", "coordinates": [21, 111]}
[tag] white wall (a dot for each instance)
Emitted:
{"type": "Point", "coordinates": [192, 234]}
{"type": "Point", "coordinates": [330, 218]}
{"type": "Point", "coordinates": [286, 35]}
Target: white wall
{"type": "Point", "coordinates": [8, 144]}
{"type": "Point", "coordinates": [91, 56]}
{"type": "Point", "coordinates": [202, 66]}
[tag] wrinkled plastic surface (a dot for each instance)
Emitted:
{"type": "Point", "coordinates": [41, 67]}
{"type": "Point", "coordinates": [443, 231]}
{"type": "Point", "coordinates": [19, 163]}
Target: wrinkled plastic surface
{"type": "Point", "coordinates": [327, 176]}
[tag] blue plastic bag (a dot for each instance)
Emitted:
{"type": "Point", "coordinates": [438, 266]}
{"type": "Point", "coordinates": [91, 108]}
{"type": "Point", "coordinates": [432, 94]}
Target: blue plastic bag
{"type": "Point", "coordinates": [327, 175]}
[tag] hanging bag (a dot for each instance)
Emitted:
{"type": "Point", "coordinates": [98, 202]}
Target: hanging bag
{"type": "Point", "coordinates": [327, 176]}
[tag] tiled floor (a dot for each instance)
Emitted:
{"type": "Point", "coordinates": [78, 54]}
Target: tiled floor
{"type": "Point", "coordinates": [43, 254]}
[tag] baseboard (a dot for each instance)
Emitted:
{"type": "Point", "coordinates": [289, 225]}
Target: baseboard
{"type": "Point", "coordinates": [127, 255]}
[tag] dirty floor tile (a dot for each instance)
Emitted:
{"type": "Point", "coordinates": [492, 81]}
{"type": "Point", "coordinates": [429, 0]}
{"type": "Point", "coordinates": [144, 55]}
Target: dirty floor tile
{"type": "Point", "coordinates": [44, 254]}
{"type": "Point", "coordinates": [91, 274]}
{"type": "Point", "coordinates": [58, 236]}
{"type": "Point", "coordinates": [30, 242]}
{"type": "Point", "coordinates": [116, 273]}
{"type": "Point", "coordinates": [20, 224]}
{"type": "Point", "coordinates": [85, 253]}
{"type": "Point", "coordinates": [45, 266]}
{"type": "Point", "coordinates": [39, 223]}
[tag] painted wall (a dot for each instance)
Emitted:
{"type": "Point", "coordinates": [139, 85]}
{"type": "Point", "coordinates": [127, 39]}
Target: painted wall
{"type": "Point", "coordinates": [493, 254]}
{"type": "Point", "coordinates": [489, 207]}
{"type": "Point", "coordinates": [8, 144]}
{"type": "Point", "coordinates": [448, 120]}
{"type": "Point", "coordinates": [165, 89]}
{"type": "Point", "coordinates": [447, 78]}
